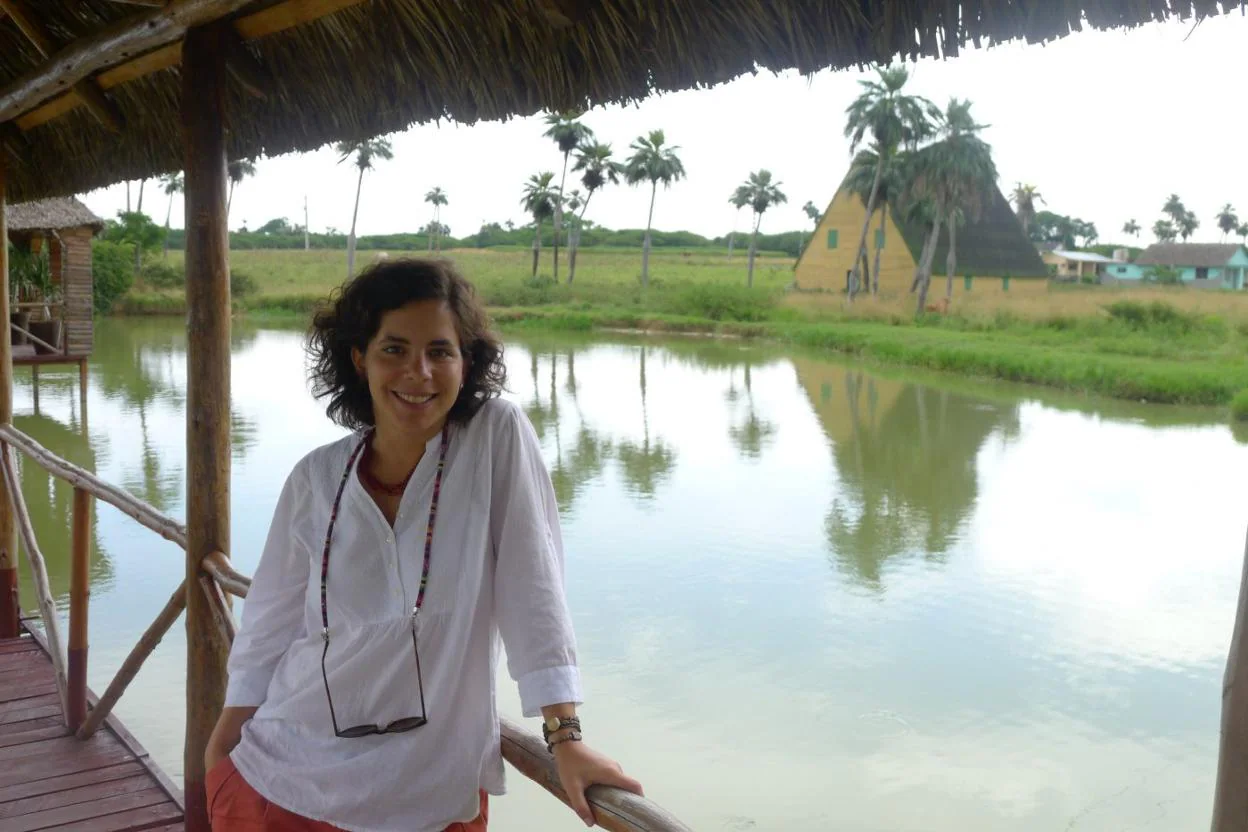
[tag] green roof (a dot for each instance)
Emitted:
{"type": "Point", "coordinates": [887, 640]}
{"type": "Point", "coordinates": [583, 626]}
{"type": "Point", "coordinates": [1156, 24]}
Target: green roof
{"type": "Point", "coordinates": [992, 246]}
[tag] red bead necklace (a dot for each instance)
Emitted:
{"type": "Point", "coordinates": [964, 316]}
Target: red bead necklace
{"type": "Point", "coordinates": [377, 485]}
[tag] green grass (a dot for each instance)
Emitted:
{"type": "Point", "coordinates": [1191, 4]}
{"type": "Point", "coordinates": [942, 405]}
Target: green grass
{"type": "Point", "coordinates": [1188, 347]}
{"type": "Point", "coordinates": [1239, 406]}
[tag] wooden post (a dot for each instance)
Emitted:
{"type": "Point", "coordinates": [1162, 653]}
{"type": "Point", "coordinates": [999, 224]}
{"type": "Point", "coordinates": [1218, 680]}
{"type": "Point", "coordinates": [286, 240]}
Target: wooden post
{"type": "Point", "coordinates": [10, 607]}
{"type": "Point", "coordinates": [208, 390]}
{"type": "Point", "coordinates": [34, 386]}
{"type": "Point", "coordinates": [82, 388]}
{"type": "Point", "coordinates": [79, 595]}
{"type": "Point", "coordinates": [1230, 801]}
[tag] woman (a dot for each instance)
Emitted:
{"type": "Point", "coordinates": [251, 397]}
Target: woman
{"type": "Point", "coordinates": [361, 689]}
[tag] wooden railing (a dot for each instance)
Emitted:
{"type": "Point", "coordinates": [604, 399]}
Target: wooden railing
{"type": "Point", "coordinates": [615, 809]}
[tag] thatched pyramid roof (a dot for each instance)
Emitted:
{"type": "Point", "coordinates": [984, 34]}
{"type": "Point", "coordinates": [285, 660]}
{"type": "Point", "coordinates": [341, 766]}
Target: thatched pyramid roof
{"type": "Point", "coordinates": [312, 71]}
{"type": "Point", "coordinates": [51, 215]}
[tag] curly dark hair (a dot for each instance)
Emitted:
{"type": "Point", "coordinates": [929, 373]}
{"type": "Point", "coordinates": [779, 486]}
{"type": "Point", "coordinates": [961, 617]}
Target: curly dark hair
{"type": "Point", "coordinates": [352, 316]}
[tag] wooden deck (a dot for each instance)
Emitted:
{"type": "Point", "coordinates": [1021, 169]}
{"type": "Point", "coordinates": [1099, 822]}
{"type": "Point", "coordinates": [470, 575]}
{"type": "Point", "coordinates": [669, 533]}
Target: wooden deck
{"type": "Point", "coordinates": [52, 780]}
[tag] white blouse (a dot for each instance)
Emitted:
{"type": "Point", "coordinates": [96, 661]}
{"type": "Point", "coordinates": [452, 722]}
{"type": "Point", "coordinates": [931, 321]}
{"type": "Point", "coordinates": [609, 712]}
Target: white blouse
{"type": "Point", "coordinates": [497, 568]}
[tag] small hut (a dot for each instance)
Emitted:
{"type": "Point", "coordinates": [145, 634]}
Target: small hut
{"type": "Point", "coordinates": [50, 280]}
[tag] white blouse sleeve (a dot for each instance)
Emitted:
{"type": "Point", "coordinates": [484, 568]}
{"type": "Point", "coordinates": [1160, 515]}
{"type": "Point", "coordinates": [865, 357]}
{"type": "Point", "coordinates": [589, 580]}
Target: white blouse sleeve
{"type": "Point", "coordinates": [274, 607]}
{"type": "Point", "coordinates": [530, 605]}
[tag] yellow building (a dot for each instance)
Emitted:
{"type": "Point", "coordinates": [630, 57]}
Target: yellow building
{"type": "Point", "coordinates": [993, 252]}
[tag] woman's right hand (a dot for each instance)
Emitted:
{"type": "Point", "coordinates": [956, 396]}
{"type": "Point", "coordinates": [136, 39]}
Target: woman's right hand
{"type": "Point", "coordinates": [226, 735]}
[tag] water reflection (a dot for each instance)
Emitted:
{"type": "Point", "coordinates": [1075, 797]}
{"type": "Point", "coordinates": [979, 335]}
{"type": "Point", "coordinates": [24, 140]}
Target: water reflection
{"type": "Point", "coordinates": [50, 502]}
{"type": "Point", "coordinates": [645, 466]}
{"type": "Point", "coordinates": [906, 456]}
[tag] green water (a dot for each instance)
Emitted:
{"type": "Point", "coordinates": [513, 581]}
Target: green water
{"type": "Point", "coordinates": [809, 594]}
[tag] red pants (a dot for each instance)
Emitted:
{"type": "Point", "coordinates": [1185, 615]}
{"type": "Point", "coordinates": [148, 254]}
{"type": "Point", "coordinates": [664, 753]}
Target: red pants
{"type": "Point", "coordinates": [234, 806]}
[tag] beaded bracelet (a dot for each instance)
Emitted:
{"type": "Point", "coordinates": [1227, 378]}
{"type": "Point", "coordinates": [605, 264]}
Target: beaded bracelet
{"type": "Point", "coordinates": [571, 736]}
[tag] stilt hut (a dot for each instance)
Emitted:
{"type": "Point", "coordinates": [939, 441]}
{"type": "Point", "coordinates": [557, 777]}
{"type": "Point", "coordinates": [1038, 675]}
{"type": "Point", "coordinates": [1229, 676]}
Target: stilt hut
{"type": "Point", "coordinates": [50, 317]}
{"type": "Point", "coordinates": [94, 92]}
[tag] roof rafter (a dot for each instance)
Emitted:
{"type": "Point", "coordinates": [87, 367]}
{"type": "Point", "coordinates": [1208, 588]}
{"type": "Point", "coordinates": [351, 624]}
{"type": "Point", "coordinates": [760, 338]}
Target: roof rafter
{"type": "Point", "coordinates": [86, 90]}
{"type": "Point", "coordinates": [124, 39]}
{"type": "Point", "coordinates": [242, 65]}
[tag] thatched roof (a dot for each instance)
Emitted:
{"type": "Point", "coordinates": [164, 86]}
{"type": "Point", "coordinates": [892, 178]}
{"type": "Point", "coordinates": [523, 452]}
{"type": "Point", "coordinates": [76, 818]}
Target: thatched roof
{"type": "Point", "coordinates": [51, 215]}
{"type": "Point", "coordinates": [347, 69]}
{"type": "Point", "coordinates": [992, 246]}
{"type": "Point", "coordinates": [1189, 255]}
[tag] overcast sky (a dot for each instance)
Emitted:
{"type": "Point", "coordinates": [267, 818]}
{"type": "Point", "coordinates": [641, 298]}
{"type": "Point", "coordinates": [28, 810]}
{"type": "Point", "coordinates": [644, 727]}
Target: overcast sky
{"type": "Point", "coordinates": [1105, 124]}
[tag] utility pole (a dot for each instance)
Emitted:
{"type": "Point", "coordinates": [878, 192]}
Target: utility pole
{"type": "Point", "coordinates": [306, 244]}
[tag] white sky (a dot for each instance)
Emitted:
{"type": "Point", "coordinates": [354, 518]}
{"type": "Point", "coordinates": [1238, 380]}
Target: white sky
{"type": "Point", "coordinates": [1105, 124]}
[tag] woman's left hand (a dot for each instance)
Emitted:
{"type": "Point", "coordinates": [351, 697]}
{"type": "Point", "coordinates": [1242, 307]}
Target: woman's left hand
{"type": "Point", "coordinates": [580, 767]}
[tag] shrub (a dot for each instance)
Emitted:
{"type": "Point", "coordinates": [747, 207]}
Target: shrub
{"type": "Point", "coordinates": [242, 284]}
{"type": "Point", "coordinates": [112, 268]}
{"type": "Point", "coordinates": [162, 276]}
{"type": "Point", "coordinates": [718, 302]}
{"type": "Point", "coordinates": [1155, 315]}
{"type": "Point", "coordinates": [1239, 406]}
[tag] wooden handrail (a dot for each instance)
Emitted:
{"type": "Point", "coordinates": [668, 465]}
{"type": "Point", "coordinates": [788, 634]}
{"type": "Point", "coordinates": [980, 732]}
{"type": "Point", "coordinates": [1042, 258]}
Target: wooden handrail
{"type": "Point", "coordinates": [34, 338]}
{"type": "Point", "coordinates": [130, 667]}
{"type": "Point", "coordinates": [231, 580]}
{"type": "Point", "coordinates": [1230, 805]}
{"type": "Point", "coordinates": [39, 571]}
{"type": "Point", "coordinates": [120, 499]}
{"type": "Point", "coordinates": [220, 608]}
{"type": "Point", "coordinates": [614, 809]}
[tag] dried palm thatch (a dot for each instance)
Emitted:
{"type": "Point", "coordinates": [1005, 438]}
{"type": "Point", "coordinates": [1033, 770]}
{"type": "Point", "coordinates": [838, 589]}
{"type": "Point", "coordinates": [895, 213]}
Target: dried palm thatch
{"type": "Point", "coordinates": [375, 66]}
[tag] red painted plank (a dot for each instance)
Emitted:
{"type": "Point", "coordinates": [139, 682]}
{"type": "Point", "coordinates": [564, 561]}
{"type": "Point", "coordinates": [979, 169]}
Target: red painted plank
{"type": "Point", "coordinates": [22, 659]}
{"type": "Point", "coordinates": [70, 781]}
{"type": "Point", "coordinates": [56, 747]}
{"type": "Point", "coordinates": [95, 810]}
{"type": "Point", "coordinates": [85, 758]}
{"type": "Point", "coordinates": [144, 818]}
{"type": "Point", "coordinates": [173, 827]}
{"type": "Point", "coordinates": [34, 731]}
{"type": "Point", "coordinates": [27, 687]}
{"type": "Point", "coordinates": [70, 797]}
{"type": "Point", "coordinates": [18, 645]}
{"type": "Point", "coordinates": [32, 708]}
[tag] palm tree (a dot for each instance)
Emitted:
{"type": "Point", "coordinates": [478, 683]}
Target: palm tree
{"type": "Point", "coordinates": [1242, 231]}
{"type": "Point", "coordinates": [1174, 209]}
{"type": "Point", "coordinates": [365, 152]}
{"type": "Point", "coordinates": [956, 174]}
{"type": "Point", "coordinates": [762, 193]}
{"type": "Point", "coordinates": [599, 169]}
{"type": "Point", "coordinates": [894, 120]}
{"type": "Point", "coordinates": [1164, 231]}
{"type": "Point", "coordinates": [170, 184]}
{"type": "Point", "coordinates": [539, 200]}
{"type": "Point", "coordinates": [1132, 227]}
{"type": "Point", "coordinates": [812, 213]}
{"type": "Point", "coordinates": [652, 161]}
{"type": "Point", "coordinates": [1228, 222]}
{"type": "Point", "coordinates": [1187, 225]}
{"type": "Point", "coordinates": [436, 198]}
{"type": "Point", "coordinates": [739, 199]}
{"type": "Point", "coordinates": [1025, 198]}
{"type": "Point", "coordinates": [568, 134]}
{"type": "Point", "coordinates": [238, 170]}
{"type": "Point", "coordinates": [861, 180]}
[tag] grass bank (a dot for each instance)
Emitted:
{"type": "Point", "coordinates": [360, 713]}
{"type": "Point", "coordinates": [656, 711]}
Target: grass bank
{"type": "Point", "coordinates": [1161, 345]}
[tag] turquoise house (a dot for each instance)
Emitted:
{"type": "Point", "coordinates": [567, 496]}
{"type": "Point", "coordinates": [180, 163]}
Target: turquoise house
{"type": "Point", "coordinates": [1205, 265]}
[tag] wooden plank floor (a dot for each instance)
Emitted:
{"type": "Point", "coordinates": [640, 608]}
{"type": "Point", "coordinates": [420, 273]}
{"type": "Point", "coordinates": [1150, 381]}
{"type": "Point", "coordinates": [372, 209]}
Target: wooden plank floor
{"type": "Point", "coordinates": [51, 780]}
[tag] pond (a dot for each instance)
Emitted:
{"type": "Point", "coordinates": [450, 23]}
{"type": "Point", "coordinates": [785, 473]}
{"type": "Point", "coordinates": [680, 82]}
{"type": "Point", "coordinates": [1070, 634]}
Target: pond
{"type": "Point", "coordinates": [809, 594]}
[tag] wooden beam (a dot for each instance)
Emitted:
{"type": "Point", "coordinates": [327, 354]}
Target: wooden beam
{"type": "Point", "coordinates": [261, 24]}
{"type": "Point", "coordinates": [208, 391]}
{"type": "Point", "coordinates": [103, 109]}
{"type": "Point", "coordinates": [119, 42]}
{"type": "Point", "coordinates": [134, 662]}
{"type": "Point", "coordinates": [1230, 800]}
{"type": "Point", "coordinates": [10, 607]}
